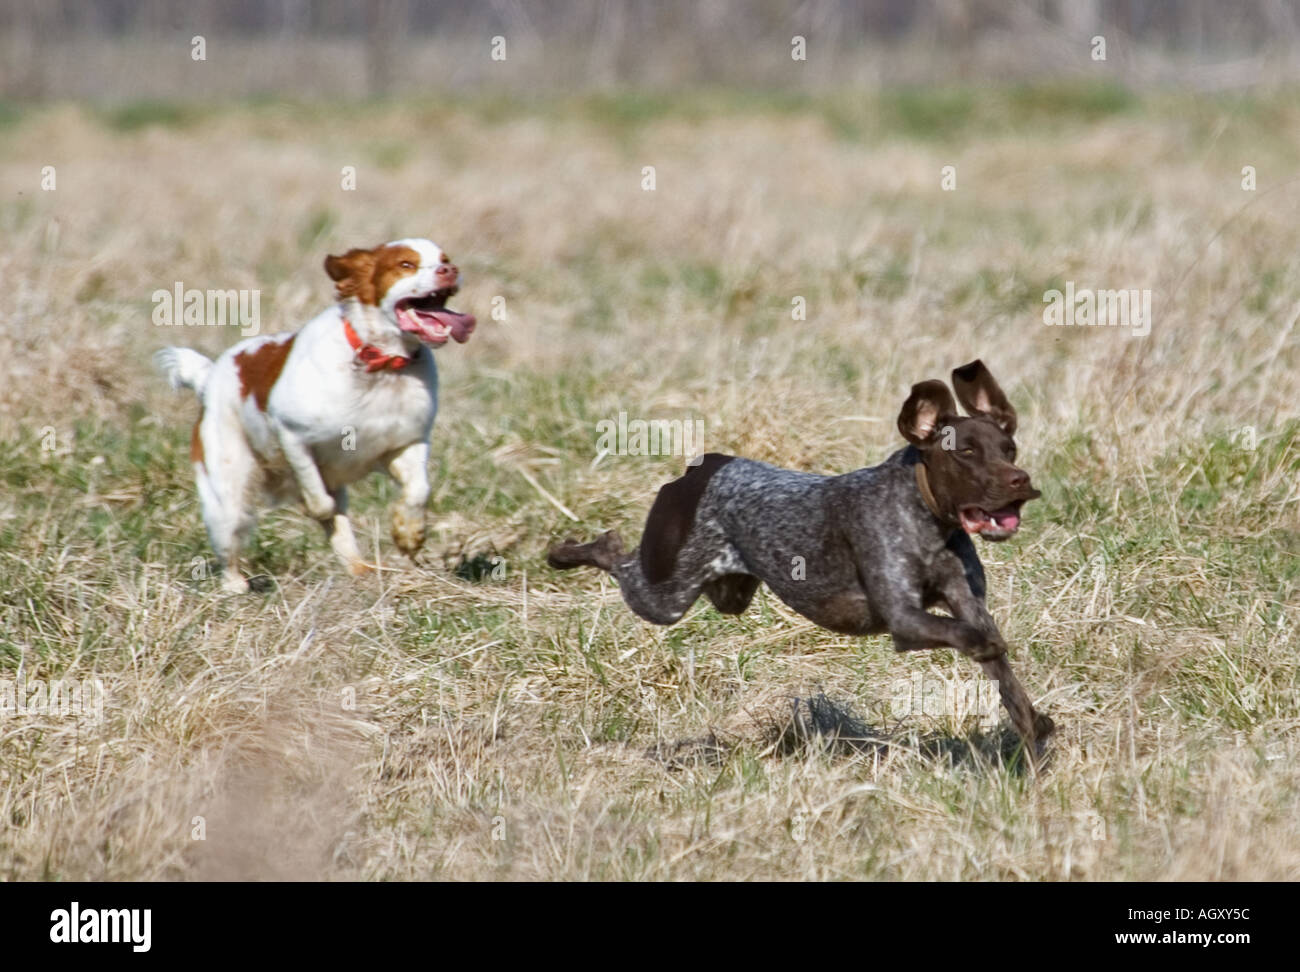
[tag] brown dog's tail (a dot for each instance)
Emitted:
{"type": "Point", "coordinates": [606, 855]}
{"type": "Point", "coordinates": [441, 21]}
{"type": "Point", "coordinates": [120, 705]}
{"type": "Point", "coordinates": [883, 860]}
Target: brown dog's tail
{"type": "Point", "coordinates": [603, 552]}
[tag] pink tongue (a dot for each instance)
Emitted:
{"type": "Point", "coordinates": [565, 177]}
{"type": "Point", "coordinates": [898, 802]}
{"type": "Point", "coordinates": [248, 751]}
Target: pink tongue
{"type": "Point", "coordinates": [1006, 519]}
{"type": "Point", "coordinates": [459, 324]}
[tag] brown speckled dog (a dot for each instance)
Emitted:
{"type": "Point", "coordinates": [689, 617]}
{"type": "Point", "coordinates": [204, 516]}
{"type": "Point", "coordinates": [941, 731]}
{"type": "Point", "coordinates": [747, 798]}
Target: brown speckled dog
{"type": "Point", "coordinates": [863, 553]}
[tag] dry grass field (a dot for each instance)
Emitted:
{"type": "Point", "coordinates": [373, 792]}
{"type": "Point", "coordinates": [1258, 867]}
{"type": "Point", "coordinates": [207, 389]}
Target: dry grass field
{"type": "Point", "coordinates": [476, 718]}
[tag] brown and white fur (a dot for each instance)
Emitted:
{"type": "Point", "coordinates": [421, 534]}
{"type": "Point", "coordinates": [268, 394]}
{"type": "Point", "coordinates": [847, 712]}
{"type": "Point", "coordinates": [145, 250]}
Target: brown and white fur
{"type": "Point", "coordinates": [298, 416]}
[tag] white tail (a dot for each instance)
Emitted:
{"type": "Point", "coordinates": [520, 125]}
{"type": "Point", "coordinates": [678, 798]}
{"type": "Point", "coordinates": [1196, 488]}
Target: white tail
{"type": "Point", "coordinates": [183, 368]}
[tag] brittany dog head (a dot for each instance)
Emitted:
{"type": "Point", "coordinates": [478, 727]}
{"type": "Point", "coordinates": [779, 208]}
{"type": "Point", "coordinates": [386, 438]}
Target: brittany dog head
{"type": "Point", "coordinates": [407, 283]}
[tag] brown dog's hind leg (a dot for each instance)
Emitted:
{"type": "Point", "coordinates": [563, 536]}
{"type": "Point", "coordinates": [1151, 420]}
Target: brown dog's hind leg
{"type": "Point", "coordinates": [662, 603]}
{"type": "Point", "coordinates": [603, 552]}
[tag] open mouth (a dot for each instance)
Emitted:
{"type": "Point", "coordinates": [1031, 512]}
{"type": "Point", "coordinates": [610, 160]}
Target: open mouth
{"type": "Point", "coordinates": [991, 525]}
{"type": "Point", "coordinates": [429, 319]}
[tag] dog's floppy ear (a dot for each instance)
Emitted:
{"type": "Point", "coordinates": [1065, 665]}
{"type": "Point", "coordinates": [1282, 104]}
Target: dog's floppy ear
{"type": "Point", "coordinates": [979, 394]}
{"type": "Point", "coordinates": [919, 419]}
{"type": "Point", "coordinates": [352, 274]}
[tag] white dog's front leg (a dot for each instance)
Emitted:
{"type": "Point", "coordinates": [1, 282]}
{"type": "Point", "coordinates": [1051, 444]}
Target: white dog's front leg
{"type": "Point", "coordinates": [410, 469]}
{"type": "Point", "coordinates": [342, 540]}
{"type": "Point", "coordinates": [315, 497]}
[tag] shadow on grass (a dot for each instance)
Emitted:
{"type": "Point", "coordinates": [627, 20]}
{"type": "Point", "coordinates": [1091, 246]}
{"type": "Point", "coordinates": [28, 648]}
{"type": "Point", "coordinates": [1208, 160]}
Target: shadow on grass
{"type": "Point", "coordinates": [820, 722]}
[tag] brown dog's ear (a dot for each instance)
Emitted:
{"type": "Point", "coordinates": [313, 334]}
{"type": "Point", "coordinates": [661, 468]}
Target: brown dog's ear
{"type": "Point", "coordinates": [919, 419]}
{"type": "Point", "coordinates": [979, 394]}
{"type": "Point", "coordinates": [352, 273]}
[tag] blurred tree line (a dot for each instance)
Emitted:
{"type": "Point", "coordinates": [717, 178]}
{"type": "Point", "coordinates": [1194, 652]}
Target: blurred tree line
{"type": "Point", "coordinates": [606, 42]}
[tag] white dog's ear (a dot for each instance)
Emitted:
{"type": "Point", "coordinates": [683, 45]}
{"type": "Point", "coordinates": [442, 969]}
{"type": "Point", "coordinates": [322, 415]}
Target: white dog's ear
{"type": "Point", "coordinates": [352, 274]}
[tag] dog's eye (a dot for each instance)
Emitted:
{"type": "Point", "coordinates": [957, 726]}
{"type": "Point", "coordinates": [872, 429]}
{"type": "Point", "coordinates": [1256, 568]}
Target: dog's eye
{"type": "Point", "coordinates": [407, 265]}
{"type": "Point", "coordinates": [967, 452]}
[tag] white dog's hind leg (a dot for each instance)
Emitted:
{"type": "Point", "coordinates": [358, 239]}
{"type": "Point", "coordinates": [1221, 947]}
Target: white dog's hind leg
{"type": "Point", "coordinates": [224, 499]}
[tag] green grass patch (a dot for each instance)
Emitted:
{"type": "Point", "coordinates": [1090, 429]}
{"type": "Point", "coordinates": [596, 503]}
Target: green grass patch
{"type": "Point", "coordinates": [137, 115]}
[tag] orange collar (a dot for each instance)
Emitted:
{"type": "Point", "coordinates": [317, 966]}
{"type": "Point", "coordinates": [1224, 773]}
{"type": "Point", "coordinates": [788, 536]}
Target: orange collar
{"type": "Point", "coordinates": [372, 357]}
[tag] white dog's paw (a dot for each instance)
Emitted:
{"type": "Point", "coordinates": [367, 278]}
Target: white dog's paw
{"type": "Point", "coordinates": [233, 582]}
{"type": "Point", "coordinates": [319, 507]}
{"type": "Point", "coordinates": [408, 529]}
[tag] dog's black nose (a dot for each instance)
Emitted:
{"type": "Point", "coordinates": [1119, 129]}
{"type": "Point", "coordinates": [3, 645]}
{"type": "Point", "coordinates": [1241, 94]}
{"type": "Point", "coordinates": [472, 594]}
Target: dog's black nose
{"type": "Point", "coordinates": [1019, 479]}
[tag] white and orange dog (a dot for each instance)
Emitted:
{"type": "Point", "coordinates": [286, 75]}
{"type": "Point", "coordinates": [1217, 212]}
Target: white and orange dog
{"type": "Point", "coordinates": [300, 415]}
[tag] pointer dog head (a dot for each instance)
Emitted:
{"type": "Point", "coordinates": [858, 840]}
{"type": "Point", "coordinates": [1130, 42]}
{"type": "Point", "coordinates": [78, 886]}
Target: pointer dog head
{"type": "Point", "coordinates": [970, 460]}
